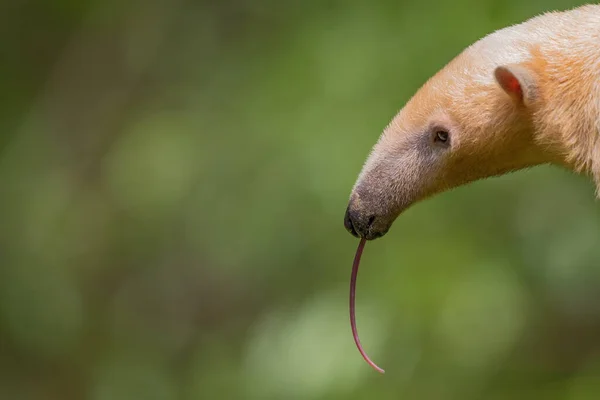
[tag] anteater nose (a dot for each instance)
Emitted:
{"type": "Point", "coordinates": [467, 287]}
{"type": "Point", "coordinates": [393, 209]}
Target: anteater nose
{"type": "Point", "coordinates": [357, 223]}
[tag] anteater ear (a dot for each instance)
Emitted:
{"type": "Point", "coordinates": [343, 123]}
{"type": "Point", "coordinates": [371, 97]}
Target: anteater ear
{"type": "Point", "coordinates": [517, 81]}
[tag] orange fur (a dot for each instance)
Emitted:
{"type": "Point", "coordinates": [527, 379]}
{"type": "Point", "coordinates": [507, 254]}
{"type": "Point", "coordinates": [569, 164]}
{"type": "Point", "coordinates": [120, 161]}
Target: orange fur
{"type": "Point", "coordinates": [496, 125]}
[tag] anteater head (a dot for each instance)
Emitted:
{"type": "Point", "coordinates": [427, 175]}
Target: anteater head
{"type": "Point", "coordinates": [470, 121]}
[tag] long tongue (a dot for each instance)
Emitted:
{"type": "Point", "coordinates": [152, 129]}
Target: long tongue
{"type": "Point", "coordinates": [359, 251]}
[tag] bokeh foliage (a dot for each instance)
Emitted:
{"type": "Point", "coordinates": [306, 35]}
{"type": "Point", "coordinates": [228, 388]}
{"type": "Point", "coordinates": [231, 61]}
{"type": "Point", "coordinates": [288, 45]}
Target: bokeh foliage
{"type": "Point", "coordinates": [173, 177]}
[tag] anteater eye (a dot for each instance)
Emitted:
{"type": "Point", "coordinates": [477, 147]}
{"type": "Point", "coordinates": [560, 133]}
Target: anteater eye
{"type": "Point", "coordinates": [441, 136]}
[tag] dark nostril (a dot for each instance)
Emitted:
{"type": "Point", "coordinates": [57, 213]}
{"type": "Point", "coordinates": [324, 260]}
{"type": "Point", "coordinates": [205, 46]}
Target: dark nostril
{"type": "Point", "coordinates": [371, 220]}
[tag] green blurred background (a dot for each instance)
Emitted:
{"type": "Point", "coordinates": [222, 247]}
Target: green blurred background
{"type": "Point", "coordinates": [173, 180]}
